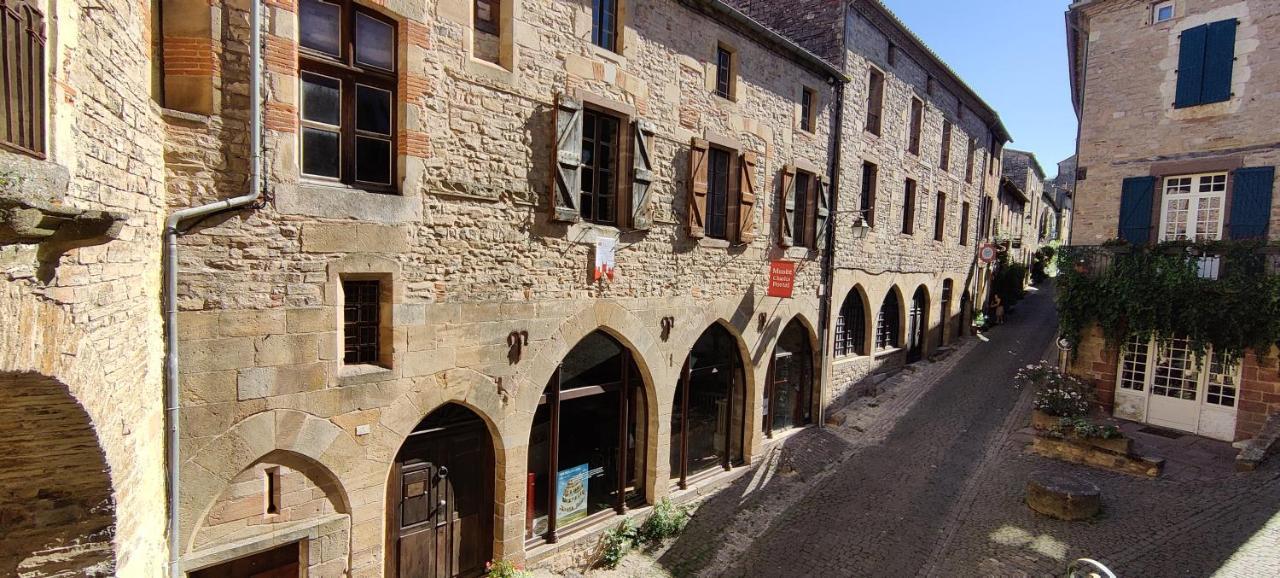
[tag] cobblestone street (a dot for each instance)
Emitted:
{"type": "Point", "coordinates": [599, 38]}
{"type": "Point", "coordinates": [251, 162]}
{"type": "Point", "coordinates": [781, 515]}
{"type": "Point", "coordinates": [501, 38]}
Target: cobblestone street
{"type": "Point", "coordinates": [927, 479]}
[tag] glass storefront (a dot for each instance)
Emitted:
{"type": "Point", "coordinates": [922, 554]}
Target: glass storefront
{"type": "Point", "coordinates": [708, 412]}
{"type": "Point", "coordinates": [788, 394]}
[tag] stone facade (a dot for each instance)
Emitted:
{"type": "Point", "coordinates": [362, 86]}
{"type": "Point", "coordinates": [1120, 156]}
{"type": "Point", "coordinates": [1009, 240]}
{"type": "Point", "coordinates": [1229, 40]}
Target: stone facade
{"type": "Point", "coordinates": [886, 262]}
{"type": "Point", "coordinates": [1125, 77]}
{"type": "Point", "coordinates": [80, 383]}
{"type": "Point", "coordinates": [468, 255]}
{"type": "Point", "coordinates": [1020, 222]}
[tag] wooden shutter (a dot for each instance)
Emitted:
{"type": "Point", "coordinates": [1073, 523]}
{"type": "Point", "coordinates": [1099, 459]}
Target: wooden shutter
{"type": "Point", "coordinates": [1191, 66]}
{"type": "Point", "coordinates": [747, 198]}
{"type": "Point", "coordinates": [1219, 59]}
{"type": "Point", "coordinates": [697, 210]}
{"type": "Point", "coordinates": [568, 160]}
{"type": "Point", "coordinates": [642, 176]}
{"type": "Point", "coordinates": [823, 213]}
{"type": "Point", "coordinates": [788, 212]}
{"type": "Point", "coordinates": [1136, 197]}
{"type": "Point", "coordinates": [1251, 202]}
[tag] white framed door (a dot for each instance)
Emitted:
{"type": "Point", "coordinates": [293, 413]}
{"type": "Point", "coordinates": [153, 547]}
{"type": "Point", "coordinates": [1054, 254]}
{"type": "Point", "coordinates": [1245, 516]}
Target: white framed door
{"type": "Point", "coordinates": [1164, 384]}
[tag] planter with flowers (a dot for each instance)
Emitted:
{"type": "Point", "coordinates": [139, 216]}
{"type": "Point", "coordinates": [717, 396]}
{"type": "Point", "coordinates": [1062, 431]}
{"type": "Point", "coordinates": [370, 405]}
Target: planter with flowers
{"type": "Point", "coordinates": [1057, 395]}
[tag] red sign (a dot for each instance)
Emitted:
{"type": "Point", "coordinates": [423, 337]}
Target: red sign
{"type": "Point", "coordinates": [782, 278]}
{"type": "Point", "coordinates": [987, 253]}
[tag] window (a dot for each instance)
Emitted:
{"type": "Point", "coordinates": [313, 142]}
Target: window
{"type": "Point", "coordinates": [22, 52]}
{"type": "Point", "coordinates": [718, 194]}
{"type": "Point", "coordinates": [850, 327]}
{"type": "Point", "coordinates": [875, 101]}
{"type": "Point", "coordinates": [917, 125]}
{"type": "Point", "coordinates": [271, 492]}
{"type": "Point", "coordinates": [968, 161]}
{"type": "Point", "coordinates": [808, 98]}
{"type": "Point", "coordinates": [348, 81]}
{"type": "Point", "coordinates": [940, 218]}
{"type": "Point", "coordinates": [964, 224]}
{"type": "Point", "coordinates": [1192, 207]}
{"type": "Point", "coordinates": [887, 324]}
{"type": "Point", "coordinates": [1161, 12]}
{"type": "Point", "coordinates": [801, 230]}
{"type": "Point", "coordinates": [909, 208]}
{"type": "Point", "coordinates": [360, 317]}
{"type": "Point", "coordinates": [599, 167]}
{"type": "Point", "coordinates": [487, 14]}
{"type": "Point", "coordinates": [944, 160]}
{"type": "Point", "coordinates": [1206, 56]}
{"type": "Point", "coordinates": [724, 72]}
{"type": "Point", "coordinates": [1171, 368]}
{"type": "Point", "coordinates": [604, 24]}
{"type": "Point", "coordinates": [869, 178]}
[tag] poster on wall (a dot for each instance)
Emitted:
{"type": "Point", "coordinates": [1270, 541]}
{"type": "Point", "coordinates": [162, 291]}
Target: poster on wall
{"type": "Point", "coordinates": [571, 494]}
{"type": "Point", "coordinates": [782, 278]}
{"type": "Point", "coordinates": [605, 265]}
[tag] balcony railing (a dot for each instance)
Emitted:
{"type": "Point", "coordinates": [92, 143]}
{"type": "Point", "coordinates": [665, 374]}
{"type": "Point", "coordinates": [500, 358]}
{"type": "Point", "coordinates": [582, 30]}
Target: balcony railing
{"type": "Point", "coordinates": [1210, 260]}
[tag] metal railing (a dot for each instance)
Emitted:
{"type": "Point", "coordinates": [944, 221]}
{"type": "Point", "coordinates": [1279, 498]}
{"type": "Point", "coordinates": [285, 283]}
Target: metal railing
{"type": "Point", "coordinates": [1210, 260]}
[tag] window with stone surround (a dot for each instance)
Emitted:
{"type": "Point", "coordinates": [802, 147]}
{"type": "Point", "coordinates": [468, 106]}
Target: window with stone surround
{"type": "Point", "coordinates": [875, 101]}
{"type": "Point", "coordinates": [803, 224]}
{"type": "Point", "coordinates": [944, 158]}
{"type": "Point", "coordinates": [968, 161]}
{"type": "Point", "coordinates": [887, 329]}
{"type": "Point", "coordinates": [917, 126]}
{"type": "Point", "coordinates": [487, 16]}
{"type": "Point", "coordinates": [964, 223]}
{"type": "Point", "coordinates": [718, 172]}
{"type": "Point", "coordinates": [909, 208]}
{"type": "Point", "coordinates": [600, 137]}
{"type": "Point", "coordinates": [604, 24]}
{"type": "Point", "coordinates": [22, 112]}
{"type": "Point", "coordinates": [808, 108]}
{"type": "Point", "coordinates": [1162, 12]}
{"type": "Point", "coordinates": [347, 69]}
{"type": "Point", "coordinates": [940, 218]}
{"type": "Point", "coordinates": [851, 327]}
{"type": "Point", "coordinates": [361, 321]}
{"type": "Point", "coordinates": [870, 175]}
{"type": "Point", "coordinates": [726, 69]}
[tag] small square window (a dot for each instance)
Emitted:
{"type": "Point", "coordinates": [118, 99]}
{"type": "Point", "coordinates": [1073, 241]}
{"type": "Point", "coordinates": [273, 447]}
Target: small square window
{"type": "Point", "coordinates": [1161, 12]}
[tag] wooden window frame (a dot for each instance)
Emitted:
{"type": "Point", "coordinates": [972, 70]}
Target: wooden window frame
{"type": "Point", "coordinates": [24, 130]}
{"type": "Point", "coordinates": [870, 182]}
{"type": "Point", "coordinates": [850, 336]}
{"type": "Point", "coordinates": [726, 86]}
{"type": "Point", "coordinates": [944, 157]}
{"type": "Point", "coordinates": [349, 285]}
{"type": "Point", "coordinates": [599, 26]}
{"type": "Point", "coordinates": [940, 218]}
{"type": "Point", "coordinates": [351, 74]}
{"type": "Point", "coordinates": [915, 126]}
{"type": "Point", "coordinates": [964, 223]}
{"type": "Point", "coordinates": [808, 109]}
{"type": "Point", "coordinates": [909, 207]}
{"type": "Point", "coordinates": [888, 327]}
{"type": "Point", "coordinates": [968, 161]}
{"type": "Point", "coordinates": [1195, 197]}
{"type": "Point", "coordinates": [618, 179]}
{"type": "Point", "coordinates": [806, 214]}
{"type": "Point", "coordinates": [875, 101]}
{"type": "Point", "coordinates": [730, 158]}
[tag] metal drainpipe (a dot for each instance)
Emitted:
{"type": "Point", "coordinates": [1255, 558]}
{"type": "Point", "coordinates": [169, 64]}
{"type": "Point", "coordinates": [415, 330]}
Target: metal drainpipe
{"type": "Point", "coordinates": [170, 287]}
{"type": "Point", "coordinates": [829, 257]}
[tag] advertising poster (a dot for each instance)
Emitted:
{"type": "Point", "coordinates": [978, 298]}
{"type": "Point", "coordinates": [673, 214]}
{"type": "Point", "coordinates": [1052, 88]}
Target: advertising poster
{"type": "Point", "coordinates": [571, 494]}
{"type": "Point", "coordinates": [605, 265]}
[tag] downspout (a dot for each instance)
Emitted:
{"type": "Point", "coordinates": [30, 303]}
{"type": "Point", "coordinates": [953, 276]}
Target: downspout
{"type": "Point", "coordinates": [829, 256]}
{"type": "Point", "coordinates": [170, 286]}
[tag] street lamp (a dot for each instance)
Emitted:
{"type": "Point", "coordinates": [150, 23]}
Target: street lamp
{"type": "Point", "coordinates": [860, 228]}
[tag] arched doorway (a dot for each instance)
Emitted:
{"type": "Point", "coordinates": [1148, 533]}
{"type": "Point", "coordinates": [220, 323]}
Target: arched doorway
{"type": "Point", "coordinates": [57, 513]}
{"type": "Point", "coordinates": [586, 447]}
{"type": "Point", "coordinates": [917, 324]}
{"type": "Point", "coordinates": [440, 497]}
{"type": "Point", "coordinates": [966, 303]}
{"type": "Point", "coordinates": [709, 409]}
{"type": "Point", "coordinates": [944, 303]}
{"type": "Point", "coordinates": [788, 393]}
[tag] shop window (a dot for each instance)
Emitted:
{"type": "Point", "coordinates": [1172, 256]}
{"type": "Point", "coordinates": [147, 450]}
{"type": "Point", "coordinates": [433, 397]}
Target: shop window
{"type": "Point", "coordinates": [851, 327]}
{"type": "Point", "coordinates": [362, 320]}
{"type": "Point", "coordinates": [586, 447]}
{"type": "Point", "coordinates": [1193, 207]}
{"type": "Point", "coordinates": [718, 193]}
{"type": "Point", "coordinates": [940, 218]}
{"type": "Point", "coordinates": [909, 208]}
{"type": "Point", "coordinates": [808, 109]}
{"type": "Point", "coordinates": [347, 67]}
{"type": "Point", "coordinates": [604, 24]}
{"type": "Point", "coordinates": [887, 329]}
{"type": "Point", "coordinates": [917, 126]}
{"type": "Point", "coordinates": [944, 159]}
{"type": "Point", "coordinates": [22, 112]}
{"type": "Point", "coordinates": [599, 185]}
{"type": "Point", "coordinates": [788, 393]}
{"type": "Point", "coordinates": [709, 412]}
{"type": "Point", "coordinates": [875, 101]}
{"type": "Point", "coordinates": [726, 70]}
{"type": "Point", "coordinates": [870, 174]}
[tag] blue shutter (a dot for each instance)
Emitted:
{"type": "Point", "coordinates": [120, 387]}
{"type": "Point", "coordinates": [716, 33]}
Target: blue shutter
{"type": "Point", "coordinates": [1219, 59]}
{"type": "Point", "coordinates": [1191, 66]}
{"type": "Point", "coordinates": [1135, 209]}
{"type": "Point", "coordinates": [1251, 202]}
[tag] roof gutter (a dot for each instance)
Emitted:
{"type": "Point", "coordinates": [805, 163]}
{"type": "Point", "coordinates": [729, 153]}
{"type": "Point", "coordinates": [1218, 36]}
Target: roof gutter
{"type": "Point", "coordinates": [170, 285]}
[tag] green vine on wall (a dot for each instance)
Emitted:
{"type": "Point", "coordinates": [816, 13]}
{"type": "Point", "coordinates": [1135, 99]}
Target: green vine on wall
{"type": "Point", "coordinates": [1158, 291]}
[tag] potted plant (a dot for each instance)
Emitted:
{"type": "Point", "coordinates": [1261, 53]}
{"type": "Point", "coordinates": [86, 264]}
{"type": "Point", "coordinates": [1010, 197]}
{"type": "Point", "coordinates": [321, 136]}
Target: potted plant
{"type": "Point", "coordinates": [1057, 395]}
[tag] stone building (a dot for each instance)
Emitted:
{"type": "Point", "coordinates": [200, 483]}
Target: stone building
{"type": "Point", "coordinates": [1177, 143]}
{"type": "Point", "coordinates": [1024, 212]}
{"type": "Point", "coordinates": [509, 276]}
{"type": "Point", "coordinates": [1062, 188]}
{"type": "Point", "coordinates": [920, 170]}
{"type": "Point", "coordinates": [81, 200]}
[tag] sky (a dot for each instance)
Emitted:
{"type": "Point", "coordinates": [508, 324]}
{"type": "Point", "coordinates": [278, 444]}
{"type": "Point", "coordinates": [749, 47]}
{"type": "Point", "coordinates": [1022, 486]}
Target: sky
{"type": "Point", "coordinates": [1013, 53]}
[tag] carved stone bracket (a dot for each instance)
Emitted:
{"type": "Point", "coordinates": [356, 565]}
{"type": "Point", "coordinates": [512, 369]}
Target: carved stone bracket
{"type": "Point", "coordinates": [55, 228]}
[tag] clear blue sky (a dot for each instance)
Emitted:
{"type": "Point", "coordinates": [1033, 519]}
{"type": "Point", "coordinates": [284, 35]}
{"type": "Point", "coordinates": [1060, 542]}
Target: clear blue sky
{"type": "Point", "coordinates": [1013, 53]}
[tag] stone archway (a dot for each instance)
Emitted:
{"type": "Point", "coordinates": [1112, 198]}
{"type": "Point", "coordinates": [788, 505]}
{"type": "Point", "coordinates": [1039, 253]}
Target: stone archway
{"type": "Point", "coordinates": [57, 513]}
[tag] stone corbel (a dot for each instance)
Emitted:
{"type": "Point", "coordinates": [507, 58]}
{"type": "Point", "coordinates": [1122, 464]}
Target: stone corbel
{"type": "Point", "coordinates": [56, 229]}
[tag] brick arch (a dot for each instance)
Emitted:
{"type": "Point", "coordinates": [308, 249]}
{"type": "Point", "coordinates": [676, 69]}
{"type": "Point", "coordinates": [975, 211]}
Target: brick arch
{"type": "Point", "coordinates": [248, 441]}
{"type": "Point", "coordinates": [60, 372]}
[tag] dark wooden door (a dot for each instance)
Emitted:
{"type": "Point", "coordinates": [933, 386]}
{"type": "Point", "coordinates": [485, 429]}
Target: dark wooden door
{"type": "Point", "coordinates": [279, 562]}
{"type": "Point", "coordinates": [445, 506]}
{"type": "Point", "coordinates": [915, 330]}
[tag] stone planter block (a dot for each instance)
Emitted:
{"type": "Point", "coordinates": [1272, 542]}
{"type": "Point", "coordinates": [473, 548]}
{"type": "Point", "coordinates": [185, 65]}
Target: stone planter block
{"type": "Point", "coordinates": [1043, 421]}
{"type": "Point", "coordinates": [1063, 497]}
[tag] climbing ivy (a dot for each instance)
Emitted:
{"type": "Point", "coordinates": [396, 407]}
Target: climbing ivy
{"type": "Point", "coordinates": [1157, 291]}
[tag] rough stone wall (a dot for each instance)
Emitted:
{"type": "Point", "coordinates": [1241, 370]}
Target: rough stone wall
{"type": "Point", "coordinates": [1129, 124]}
{"type": "Point", "coordinates": [814, 24]}
{"type": "Point", "coordinates": [469, 252]}
{"type": "Point", "coordinates": [89, 318]}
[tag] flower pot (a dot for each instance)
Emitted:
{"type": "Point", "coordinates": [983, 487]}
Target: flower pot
{"type": "Point", "coordinates": [1043, 421]}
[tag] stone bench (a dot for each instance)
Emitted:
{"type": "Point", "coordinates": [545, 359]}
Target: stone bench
{"type": "Point", "coordinates": [1063, 497]}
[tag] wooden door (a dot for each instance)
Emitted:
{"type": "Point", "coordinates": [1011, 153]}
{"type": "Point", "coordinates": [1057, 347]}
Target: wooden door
{"type": "Point", "coordinates": [915, 330]}
{"type": "Point", "coordinates": [279, 562]}
{"type": "Point", "coordinates": [444, 513]}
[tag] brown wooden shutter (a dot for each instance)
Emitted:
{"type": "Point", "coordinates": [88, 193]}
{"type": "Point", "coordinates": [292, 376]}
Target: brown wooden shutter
{"type": "Point", "coordinates": [642, 176]}
{"type": "Point", "coordinates": [823, 212]}
{"type": "Point", "coordinates": [747, 198]}
{"type": "Point", "coordinates": [788, 212]}
{"type": "Point", "coordinates": [697, 213]}
{"type": "Point", "coordinates": [568, 160]}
